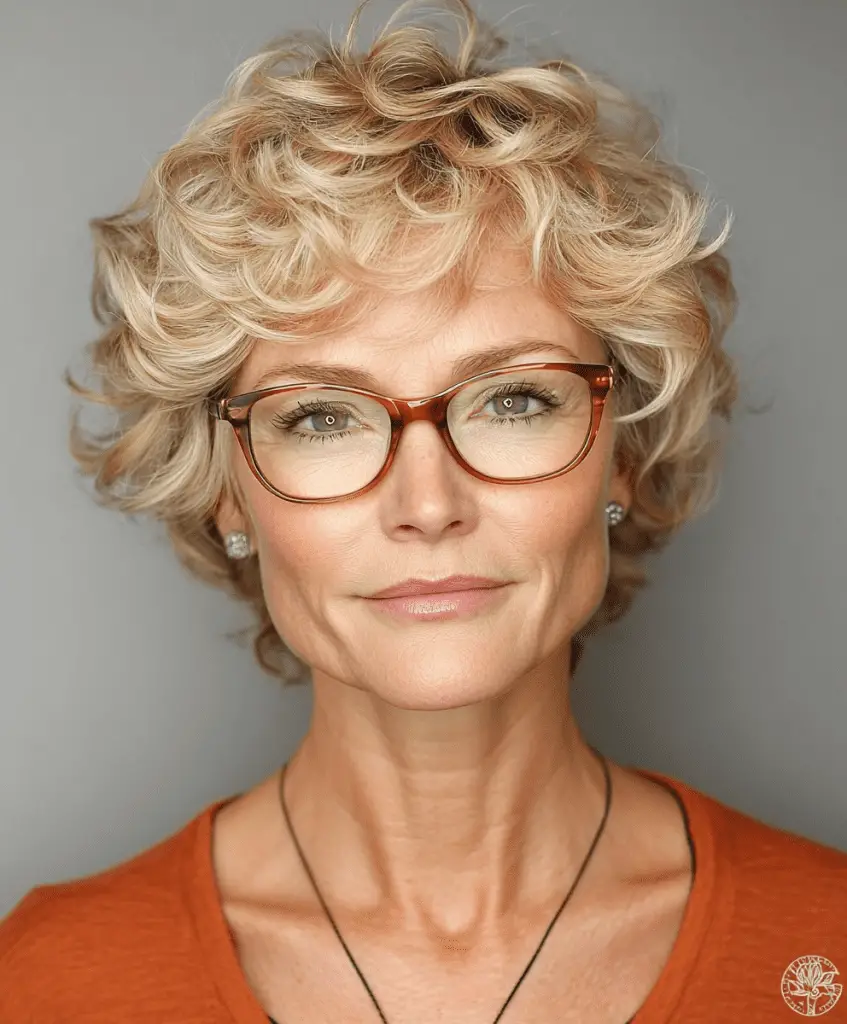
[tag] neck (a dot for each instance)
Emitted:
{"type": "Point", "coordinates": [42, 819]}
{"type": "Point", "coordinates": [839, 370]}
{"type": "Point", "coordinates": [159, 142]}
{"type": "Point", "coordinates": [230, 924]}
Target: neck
{"type": "Point", "coordinates": [445, 820]}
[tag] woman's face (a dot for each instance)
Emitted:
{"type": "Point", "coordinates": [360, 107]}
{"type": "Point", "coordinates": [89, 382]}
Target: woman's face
{"type": "Point", "coordinates": [430, 518]}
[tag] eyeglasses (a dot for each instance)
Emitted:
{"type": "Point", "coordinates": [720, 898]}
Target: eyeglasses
{"type": "Point", "coordinates": [315, 443]}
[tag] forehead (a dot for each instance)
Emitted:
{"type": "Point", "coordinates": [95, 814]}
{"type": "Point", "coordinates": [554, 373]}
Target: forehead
{"type": "Point", "coordinates": [409, 344]}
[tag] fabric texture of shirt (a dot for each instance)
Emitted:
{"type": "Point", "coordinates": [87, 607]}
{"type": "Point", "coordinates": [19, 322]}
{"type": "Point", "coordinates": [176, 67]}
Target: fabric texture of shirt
{"type": "Point", "coordinates": [146, 941]}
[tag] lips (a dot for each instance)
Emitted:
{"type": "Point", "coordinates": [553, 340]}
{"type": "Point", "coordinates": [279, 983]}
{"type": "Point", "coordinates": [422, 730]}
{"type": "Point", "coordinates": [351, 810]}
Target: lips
{"type": "Point", "coordinates": [414, 587]}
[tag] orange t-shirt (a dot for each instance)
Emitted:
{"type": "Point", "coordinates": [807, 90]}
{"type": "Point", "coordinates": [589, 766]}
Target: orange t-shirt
{"type": "Point", "coordinates": [146, 941]}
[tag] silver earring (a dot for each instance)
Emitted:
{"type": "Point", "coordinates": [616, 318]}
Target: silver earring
{"type": "Point", "coordinates": [615, 513]}
{"type": "Point", "coordinates": [237, 544]}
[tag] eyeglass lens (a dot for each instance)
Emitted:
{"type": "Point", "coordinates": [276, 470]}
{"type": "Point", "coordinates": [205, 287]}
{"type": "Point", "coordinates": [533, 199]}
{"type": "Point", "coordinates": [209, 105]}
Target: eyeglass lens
{"type": "Point", "coordinates": [327, 442]}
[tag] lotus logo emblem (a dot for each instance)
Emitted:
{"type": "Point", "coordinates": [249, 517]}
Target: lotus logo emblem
{"type": "Point", "coordinates": [809, 987]}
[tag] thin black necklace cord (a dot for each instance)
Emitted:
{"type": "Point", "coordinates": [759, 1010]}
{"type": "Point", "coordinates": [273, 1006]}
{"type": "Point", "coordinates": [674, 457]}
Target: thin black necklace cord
{"type": "Point", "coordinates": [564, 903]}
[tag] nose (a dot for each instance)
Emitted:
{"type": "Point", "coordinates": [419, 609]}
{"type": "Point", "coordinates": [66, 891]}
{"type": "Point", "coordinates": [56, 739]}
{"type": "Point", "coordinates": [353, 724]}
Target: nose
{"type": "Point", "coordinates": [423, 461]}
{"type": "Point", "coordinates": [427, 490]}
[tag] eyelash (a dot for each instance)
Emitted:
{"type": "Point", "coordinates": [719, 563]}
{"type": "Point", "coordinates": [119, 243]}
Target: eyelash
{"type": "Point", "coordinates": [309, 409]}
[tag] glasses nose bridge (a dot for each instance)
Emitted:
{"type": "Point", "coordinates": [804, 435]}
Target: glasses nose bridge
{"type": "Point", "coordinates": [421, 410]}
{"type": "Point", "coordinates": [428, 410]}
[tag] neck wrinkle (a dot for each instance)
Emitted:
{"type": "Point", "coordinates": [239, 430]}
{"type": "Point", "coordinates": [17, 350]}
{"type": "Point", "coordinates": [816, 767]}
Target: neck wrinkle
{"type": "Point", "coordinates": [460, 830]}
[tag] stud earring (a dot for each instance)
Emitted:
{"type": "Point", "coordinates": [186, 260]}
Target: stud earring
{"type": "Point", "coordinates": [615, 513]}
{"type": "Point", "coordinates": [237, 545]}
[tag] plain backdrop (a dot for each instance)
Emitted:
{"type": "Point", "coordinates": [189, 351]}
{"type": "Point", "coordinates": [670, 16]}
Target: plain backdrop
{"type": "Point", "coordinates": [124, 707]}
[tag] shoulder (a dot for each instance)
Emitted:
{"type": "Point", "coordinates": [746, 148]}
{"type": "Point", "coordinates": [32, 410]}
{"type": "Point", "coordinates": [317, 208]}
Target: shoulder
{"type": "Point", "coordinates": [121, 928]}
{"type": "Point", "coordinates": [757, 879]}
{"type": "Point", "coordinates": [775, 879]}
{"type": "Point", "coordinates": [749, 844]}
{"type": "Point", "coordinates": [759, 849]}
{"type": "Point", "coordinates": [766, 925]}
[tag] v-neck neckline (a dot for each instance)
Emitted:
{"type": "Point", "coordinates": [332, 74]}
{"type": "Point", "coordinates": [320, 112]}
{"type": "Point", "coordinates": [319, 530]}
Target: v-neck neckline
{"type": "Point", "coordinates": [224, 968]}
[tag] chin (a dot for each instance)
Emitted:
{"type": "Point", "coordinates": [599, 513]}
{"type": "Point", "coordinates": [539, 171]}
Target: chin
{"type": "Point", "coordinates": [434, 681]}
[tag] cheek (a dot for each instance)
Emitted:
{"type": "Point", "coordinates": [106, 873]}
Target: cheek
{"type": "Point", "coordinates": [291, 540]}
{"type": "Point", "coordinates": [303, 553]}
{"type": "Point", "coordinates": [560, 530]}
{"type": "Point", "coordinates": [295, 547]}
{"type": "Point", "coordinates": [557, 518]}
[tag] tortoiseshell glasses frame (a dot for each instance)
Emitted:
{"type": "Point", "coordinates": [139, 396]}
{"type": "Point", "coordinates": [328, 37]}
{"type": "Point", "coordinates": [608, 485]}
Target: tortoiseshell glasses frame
{"type": "Point", "coordinates": [235, 410]}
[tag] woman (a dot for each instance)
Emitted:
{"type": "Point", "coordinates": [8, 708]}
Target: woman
{"type": "Point", "coordinates": [418, 354]}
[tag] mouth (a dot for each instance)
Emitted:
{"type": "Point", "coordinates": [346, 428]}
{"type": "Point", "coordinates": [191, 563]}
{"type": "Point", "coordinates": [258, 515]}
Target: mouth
{"type": "Point", "coordinates": [435, 606]}
{"type": "Point", "coordinates": [446, 585]}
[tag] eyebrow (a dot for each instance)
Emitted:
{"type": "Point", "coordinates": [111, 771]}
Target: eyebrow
{"type": "Point", "coordinates": [467, 366]}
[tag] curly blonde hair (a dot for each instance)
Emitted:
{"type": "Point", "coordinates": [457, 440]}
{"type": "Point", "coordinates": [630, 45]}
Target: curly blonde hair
{"type": "Point", "coordinates": [290, 203]}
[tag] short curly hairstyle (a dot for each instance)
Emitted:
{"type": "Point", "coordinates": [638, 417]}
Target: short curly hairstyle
{"type": "Point", "coordinates": [291, 202]}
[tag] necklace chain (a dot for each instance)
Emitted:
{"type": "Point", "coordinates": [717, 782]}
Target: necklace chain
{"type": "Point", "coordinates": [562, 906]}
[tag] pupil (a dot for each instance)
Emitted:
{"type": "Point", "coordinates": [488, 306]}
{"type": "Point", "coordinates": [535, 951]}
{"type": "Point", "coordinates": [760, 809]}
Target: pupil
{"type": "Point", "coordinates": [326, 419]}
{"type": "Point", "coordinates": [508, 402]}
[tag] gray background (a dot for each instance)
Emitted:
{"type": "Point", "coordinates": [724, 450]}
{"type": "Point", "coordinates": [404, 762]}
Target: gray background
{"type": "Point", "coordinates": [124, 709]}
